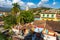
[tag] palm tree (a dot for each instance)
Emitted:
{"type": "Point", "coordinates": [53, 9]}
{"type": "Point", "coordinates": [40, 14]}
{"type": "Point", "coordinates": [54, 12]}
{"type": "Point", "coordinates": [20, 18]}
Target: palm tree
{"type": "Point", "coordinates": [26, 17]}
{"type": "Point", "coordinates": [15, 9]}
{"type": "Point", "coordinates": [9, 21]}
{"type": "Point", "coordinates": [12, 18]}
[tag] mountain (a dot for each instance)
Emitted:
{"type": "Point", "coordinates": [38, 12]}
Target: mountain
{"type": "Point", "coordinates": [5, 9]}
{"type": "Point", "coordinates": [40, 8]}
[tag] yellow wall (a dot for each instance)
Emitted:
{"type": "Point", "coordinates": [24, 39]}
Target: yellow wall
{"type": "Point", "coordinates": [49, 18]}
{"type": "Point", "coordinates": [54, 19]}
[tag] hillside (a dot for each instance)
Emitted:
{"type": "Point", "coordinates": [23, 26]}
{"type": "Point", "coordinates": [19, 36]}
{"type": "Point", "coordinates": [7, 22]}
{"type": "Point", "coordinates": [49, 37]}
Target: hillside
{"type": "Point", "coordinates": [5, 9]}
{"type": "Point", "coordinates": [40, 8]}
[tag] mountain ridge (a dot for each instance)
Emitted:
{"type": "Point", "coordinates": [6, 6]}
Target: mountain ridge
{"type": "Point", "coordinates": [5, 9]}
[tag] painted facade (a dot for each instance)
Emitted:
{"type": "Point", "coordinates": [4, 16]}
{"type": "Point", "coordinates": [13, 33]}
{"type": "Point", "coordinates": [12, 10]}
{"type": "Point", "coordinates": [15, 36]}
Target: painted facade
{"type": "Point", "coordinates": [49, 16]}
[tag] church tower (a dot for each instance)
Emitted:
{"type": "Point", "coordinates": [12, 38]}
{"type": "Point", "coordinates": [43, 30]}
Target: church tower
{"type": "Point", "coordinates": [27, 8]}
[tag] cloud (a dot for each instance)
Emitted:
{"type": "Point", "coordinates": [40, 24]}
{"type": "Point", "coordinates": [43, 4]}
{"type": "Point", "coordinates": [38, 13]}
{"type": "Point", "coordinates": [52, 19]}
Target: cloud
{"type": "Point", "coordinates": [42, 2]}
{"type": "Point", "coordinates": [21, 3]}
{"type": "Point", "coordinates": [16, 1]}
{"type": "Point", "coordinates": [6, 3]}
{"type": "Point", "coordinates": [46, 5]}
{"type": "Point", "coordinates": [31, 5]}
{"type": "Point", "coordinates": [54, 3]}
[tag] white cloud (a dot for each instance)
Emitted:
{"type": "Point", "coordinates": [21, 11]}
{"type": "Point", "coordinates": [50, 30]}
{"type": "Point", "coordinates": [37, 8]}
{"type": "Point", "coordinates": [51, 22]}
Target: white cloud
{"type": "Point", "coordinates": [31, 5]}
{"type": "Point", "coordinates": [8, 3]}
{"type": "Point", "coordinates": [42, 2]}
{"type": "Point", "coordinates": [21, 3]}
{"type": "Point", "coordinates": [54, 3]}
{"type": "Point", "coordinates": [4, 3]}
{"type": "Point", "coordinates": [46, 5]}
{"type": "Point", "coordinates": [16, 1]}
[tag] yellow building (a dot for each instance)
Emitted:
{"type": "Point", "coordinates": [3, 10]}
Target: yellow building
{"type": "Point", "coordinates": [50, 16]}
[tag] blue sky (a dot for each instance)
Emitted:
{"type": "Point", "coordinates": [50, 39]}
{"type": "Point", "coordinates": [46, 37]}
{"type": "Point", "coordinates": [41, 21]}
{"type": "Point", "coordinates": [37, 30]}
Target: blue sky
{"type": "Point", "coordinates": [31, 3]}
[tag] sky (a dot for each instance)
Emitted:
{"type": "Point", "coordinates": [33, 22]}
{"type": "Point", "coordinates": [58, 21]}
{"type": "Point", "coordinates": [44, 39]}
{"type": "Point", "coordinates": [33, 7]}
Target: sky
{"type": "Point", "coordinates": [30, 3]}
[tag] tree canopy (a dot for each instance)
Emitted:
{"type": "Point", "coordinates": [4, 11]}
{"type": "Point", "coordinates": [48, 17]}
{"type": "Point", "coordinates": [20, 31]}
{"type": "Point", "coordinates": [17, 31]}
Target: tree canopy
{"type": "Point", "coordinates": [15, 9]}
{"type": "Point", "coordinates": [26, 17]}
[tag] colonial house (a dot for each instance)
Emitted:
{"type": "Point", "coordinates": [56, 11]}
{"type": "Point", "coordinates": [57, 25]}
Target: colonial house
{"type": "Point", "coordinates": [48, 16]}
{"type": "Point", "coordinates": [51, 14]}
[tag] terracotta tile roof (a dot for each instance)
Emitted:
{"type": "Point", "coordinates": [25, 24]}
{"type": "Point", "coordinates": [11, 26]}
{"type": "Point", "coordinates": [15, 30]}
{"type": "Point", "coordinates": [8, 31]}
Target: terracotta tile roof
{"type": "Point", "coordinates": [58, 16]}
{"type": "Point", "coordinates": [51, 33]}
{"type": "Point", "coordinates": [53, 25]}
{"type": "Point", "coordinates": [39, 23]}
{"type": "Point", "coordinates": [41, 26]}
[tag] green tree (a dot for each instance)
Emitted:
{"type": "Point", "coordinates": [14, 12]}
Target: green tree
{"type": "Point", "coordinates": [12, 18]}
{"type": "Point", "coordinates": [15, 9]}
{"type": "Point", "coordinates": [9, 21]}
{"type": "Point", "coordinates": [2, 37]}
{"type": "Point", "coordinates": [26, 17]}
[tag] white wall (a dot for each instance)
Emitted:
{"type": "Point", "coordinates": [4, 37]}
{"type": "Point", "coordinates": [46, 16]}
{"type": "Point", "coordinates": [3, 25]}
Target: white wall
{"type": "Point", "coordinates": [48, 37]}
{"type": "Point", "coordinates": [45, 15]}
{"type": "Point", "coordinates": [41, 15]}
{"type": "Point", "coordinates": [50, 15]}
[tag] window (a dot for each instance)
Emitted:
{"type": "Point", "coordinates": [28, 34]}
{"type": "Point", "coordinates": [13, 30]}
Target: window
{"type": "Point", "coordinates": [52, 15]}
{"type": "Point", "coordinates": [47, 15]}
{"type": "Point", "coordinates": [43, 15]}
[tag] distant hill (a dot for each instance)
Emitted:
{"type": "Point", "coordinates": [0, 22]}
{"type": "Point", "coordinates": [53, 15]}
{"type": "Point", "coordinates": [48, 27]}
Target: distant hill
{"type": "Point", "coordinates": [32, 9]}
{"type": "Point", "coordinates": [40, 8]}
{"type": "Point", "coordinates": [5, 9]}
